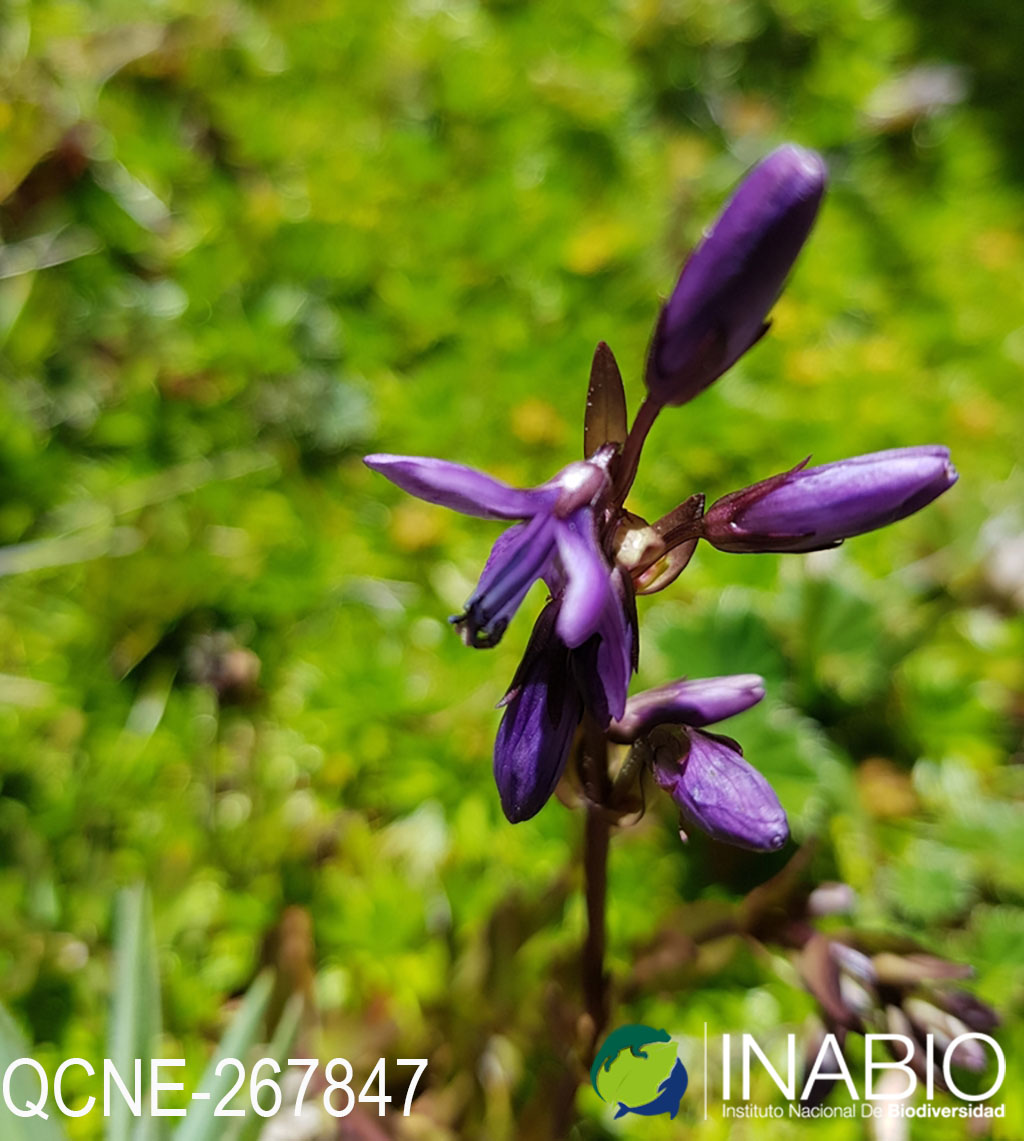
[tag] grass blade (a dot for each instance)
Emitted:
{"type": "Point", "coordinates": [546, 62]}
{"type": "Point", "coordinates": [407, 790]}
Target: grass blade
{"type": "Point", "coordinates": [24, 1089]}
{"type": "Point", "coordinates": [279, 1049]}
{"type": "Point", "coordinates": [242, 1034]}
{"type": "Point", "coordinates": [135, 1001]}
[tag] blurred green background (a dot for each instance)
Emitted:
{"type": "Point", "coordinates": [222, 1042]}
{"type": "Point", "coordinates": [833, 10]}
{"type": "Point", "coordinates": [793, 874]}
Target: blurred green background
{"type": "Point", "coordinates": [244, 244]}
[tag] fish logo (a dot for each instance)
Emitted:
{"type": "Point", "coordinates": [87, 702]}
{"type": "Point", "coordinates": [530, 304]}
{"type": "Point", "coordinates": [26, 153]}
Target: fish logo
{"type": "Point", "coordinates": [637, 1066]}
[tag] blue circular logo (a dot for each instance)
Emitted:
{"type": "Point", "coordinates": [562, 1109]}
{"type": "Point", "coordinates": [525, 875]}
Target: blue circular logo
{"type": "Point", "coordinates": [639, 1068]}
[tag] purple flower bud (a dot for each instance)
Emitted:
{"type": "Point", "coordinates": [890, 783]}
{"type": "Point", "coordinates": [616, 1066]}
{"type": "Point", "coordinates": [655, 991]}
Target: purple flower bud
{"type": "Point", "coordinates": [542, 709]}
{"type": "Point", "coordinates": [733, 278]}
{"type": "Point", "coordinates": [809, 509]}
{"type": "Point", "coordinates": [930, 1019]}
{"type": "Point", "coordinates": [720, 792]}
{"type": "Point", "coordinates": [831, 898]}
{"type": "Point", "coordinates": [853, 961]}
{"type": "Point", "coordinates": [970, 1010]}
{"type": "Point", "coordinates": [695, 703]}
{"type": "Point", "coordinates": [907, 970]}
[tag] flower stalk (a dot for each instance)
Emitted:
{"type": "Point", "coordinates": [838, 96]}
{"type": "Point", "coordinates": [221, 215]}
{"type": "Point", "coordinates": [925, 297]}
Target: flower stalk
{"type": "Point", "coordinates": [629, 461]}
{"type": "Point", "coordinates": [570, 695]}
{"type": "Point", "coordinates": [597, 826]}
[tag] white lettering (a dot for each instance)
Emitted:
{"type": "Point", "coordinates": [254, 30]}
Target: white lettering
{"type": "Point", "coordinates": [829, 1047]}
{"type": "Point", "coordinates": [750, 1046]}
{"type": "Point", "coordinates": [870, 1065]}
{"type": "Point", "coordinates": [947, 1066]}
{"type": "Point", "coordinates": [132, 1100]}
{"type": "Point", "coordinates": [157, 1087]}
{"type": "Point", "coordinates": [30, 1108]}
{"type": "Point", "coordinates": [58, 1092]}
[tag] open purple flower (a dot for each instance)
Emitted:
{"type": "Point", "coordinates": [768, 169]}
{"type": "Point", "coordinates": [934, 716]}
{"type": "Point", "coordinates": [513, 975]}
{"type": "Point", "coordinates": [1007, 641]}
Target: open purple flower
{"type": "Point", "coordinates": [583, 647]}
{"type": "Point", "coordinates": [556, 540]}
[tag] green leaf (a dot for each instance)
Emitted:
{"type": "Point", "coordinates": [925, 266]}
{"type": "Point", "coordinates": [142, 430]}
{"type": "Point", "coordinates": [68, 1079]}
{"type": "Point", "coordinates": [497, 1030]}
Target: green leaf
{"type": "Point", "coordinates": [24, 1089]}
{"type": "Point", "coordinates": [135, 1004]}
{"type": "Point", "coordinates": [279, 1049]}
{"type": "Point", "coordinates": [242, 1035]}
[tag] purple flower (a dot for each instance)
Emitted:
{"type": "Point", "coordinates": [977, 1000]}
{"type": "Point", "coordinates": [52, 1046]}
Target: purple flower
{"type": "Point", "coordinates": [694, 703]}
{"type": "Point", "coordinates": [705, 774]}
{"type": "Point", "coordinates": [542, 709]}
{"type": "Point", "coordinates": [583, 647]}
{"type": "Point", "coordinates": [552, 688]}
{"type": "Point", "coordinates": [809, 509]}
{"type": "Point", "coordinates": [557, 540]}
{"type": "Point", "coordinates": [604, 662]}
{"type": "Point", "coordinates": [716, 789]}
{"type": "Point", "coordinates": [733, 278]}
{"type": "Point", "coordinates": [576, 535]}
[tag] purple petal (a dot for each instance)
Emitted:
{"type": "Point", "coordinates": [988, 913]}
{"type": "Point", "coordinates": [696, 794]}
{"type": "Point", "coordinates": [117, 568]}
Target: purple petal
{"type": "Point", "coordinates": [808, 509]}
{"type": "Point", "coordinates": [461, 488]}
{"type": "Point", "coordinates": [718, 308]}
{"type": "Point", "coordinates": [605, 662]}
{"type": "Point", "coordinates": [723, 795]}
{"type": "Point", "coordinates": [614, 656]}
{"type": "Point", "coordinates": [519, 557]}
{"type": "Point", "coordinates": [587, 588]}
{"type": "Point", "coordinates": [542, 711]}
{"type": "Point", "coordinates": [695, 703]}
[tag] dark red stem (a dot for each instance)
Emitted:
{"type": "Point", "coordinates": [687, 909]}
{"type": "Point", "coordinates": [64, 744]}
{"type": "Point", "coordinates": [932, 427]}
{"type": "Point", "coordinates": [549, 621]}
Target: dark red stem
{"type": "Point", "coordinates": [596, 838]}
{"type": "Point", "coordinates": [630, 458]}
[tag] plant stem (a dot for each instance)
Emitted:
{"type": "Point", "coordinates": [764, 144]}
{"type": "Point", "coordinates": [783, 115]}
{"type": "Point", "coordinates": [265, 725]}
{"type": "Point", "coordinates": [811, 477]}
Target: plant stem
{"type": "Point", "coordinates": [630, 458]}
{"type": "Point", "coordinates": [596, 837]}
{"type": "Point", "coordinates": [597, 832]}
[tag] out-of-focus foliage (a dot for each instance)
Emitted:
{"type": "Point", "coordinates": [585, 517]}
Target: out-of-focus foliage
{"type": "Point", "coordinates": [241, 244]}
